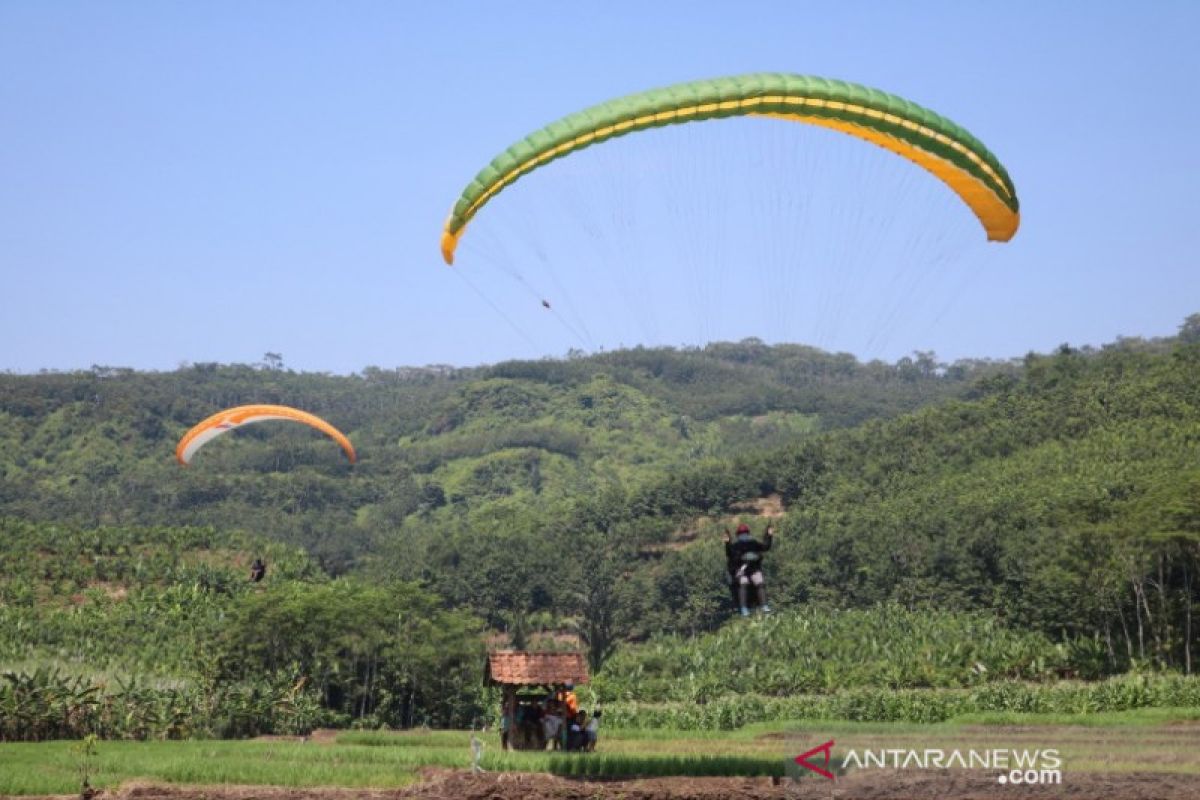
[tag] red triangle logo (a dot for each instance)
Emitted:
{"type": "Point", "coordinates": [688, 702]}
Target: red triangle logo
{"type": "Point", "coordinates": [827, 749]}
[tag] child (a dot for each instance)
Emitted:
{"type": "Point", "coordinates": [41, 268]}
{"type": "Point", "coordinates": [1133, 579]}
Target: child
{"type": "Point", "coordinates": [593, 728]}
{"type": "Point", "coordinates": [577, 733]}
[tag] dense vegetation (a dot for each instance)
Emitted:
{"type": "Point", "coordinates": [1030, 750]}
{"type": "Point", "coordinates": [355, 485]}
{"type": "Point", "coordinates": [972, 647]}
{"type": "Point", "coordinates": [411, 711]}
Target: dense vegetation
{"type": "Point", "coordinates": [1066, 501]}
{"type": "Point", "coordinates": [436, 443]}
{"type": "Point", "coordinates": [971, 525]}
{"type": "Point", "coordinates": [155, 632]}
{"type": "Point", "coordinates": [881, 704]}
{"type": "Point", "coordinates": [822, 650]}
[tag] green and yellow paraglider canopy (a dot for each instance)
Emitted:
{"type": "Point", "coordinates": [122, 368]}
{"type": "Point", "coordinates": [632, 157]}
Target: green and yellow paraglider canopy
{"type": "Point", "coordinates": [903, 127]}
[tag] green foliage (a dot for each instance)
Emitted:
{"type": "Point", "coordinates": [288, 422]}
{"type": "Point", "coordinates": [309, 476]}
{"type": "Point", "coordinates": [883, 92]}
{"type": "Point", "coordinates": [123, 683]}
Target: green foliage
{"type": "Point", "coordinates": [1063, 501]}
{"type": "Point", "coordinates": [45, 704]}
{"type": "Point", "coordinates": [592, 765]}
{"type": "Point", "coordinates": [1054, 505]}
{"type": "Point", "coordinates": [823, 650]}
{"type": "Point", "coordinates": [880, 704]}
{"type": "Point", "coordinates": [157, 633]}
{"type": "Point", "coordinates": [377, 760]}
{"type": "Point", "coordinates": [94, 447]}
{"type": "Point", "coordinates": [383, 655]}
{"type": "Point", "coordinates": [86, 751]}
{"type": "Point", "coordinates": [48, 768]}
{"type": "Point", "coordinates": [133, 599]}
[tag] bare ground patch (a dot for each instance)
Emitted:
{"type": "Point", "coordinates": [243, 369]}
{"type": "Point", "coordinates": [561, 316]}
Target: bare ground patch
{"type": "Point", "coordinates": [862, 785]}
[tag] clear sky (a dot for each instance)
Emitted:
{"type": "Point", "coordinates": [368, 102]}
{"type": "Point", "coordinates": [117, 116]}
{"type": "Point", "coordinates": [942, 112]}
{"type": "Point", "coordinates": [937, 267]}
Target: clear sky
{"type": "Point", "coordinates": [211, 181]}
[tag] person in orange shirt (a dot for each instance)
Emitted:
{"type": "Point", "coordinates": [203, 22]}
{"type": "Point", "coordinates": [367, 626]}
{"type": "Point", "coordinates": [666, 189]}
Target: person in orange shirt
{"type": "Point", "coordinates": [570, 702]}
{"type": "Point", "coordinates": [570, 706]}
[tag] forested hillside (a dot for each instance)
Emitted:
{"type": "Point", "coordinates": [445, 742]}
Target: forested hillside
{"type": "Point", "coordinates": [1065, 501]}
{"type": "Point", "coordinates": [96, 447]}
{"type": "Point", "coordinates": [1051, 504]}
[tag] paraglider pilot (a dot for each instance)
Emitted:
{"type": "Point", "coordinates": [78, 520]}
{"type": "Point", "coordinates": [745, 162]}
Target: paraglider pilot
{"type": "Point", "coordinates": [743, 558]}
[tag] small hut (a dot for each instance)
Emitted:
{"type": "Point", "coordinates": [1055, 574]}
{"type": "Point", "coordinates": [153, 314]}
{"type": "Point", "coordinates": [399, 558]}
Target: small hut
{"type": "Point", "coordinates": [526, 680]}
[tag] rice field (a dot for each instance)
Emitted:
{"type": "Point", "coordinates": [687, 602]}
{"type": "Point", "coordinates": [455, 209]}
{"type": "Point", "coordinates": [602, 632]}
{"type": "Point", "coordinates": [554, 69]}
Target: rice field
{"type": "Point", "coordinates": [1161, 740]}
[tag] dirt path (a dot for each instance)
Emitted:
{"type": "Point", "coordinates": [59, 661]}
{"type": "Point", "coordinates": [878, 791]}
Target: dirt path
{"type": "Point", "coordinates": [872, 785]}
{"type": "Point", "coordinates": [864, 785]}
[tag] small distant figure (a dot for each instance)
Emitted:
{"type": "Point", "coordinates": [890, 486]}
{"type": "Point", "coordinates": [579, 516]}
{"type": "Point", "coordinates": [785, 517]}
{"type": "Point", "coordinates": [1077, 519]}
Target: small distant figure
{"type": "Point", "coordinates": [476, 753]}
{"type": "Point", "coordinates": [593, 730]}
{"type": "Point", "coordinates": [258, 570]}
{"type": "Point", "coordinates": [552, 723]}
{"type": "Point", "coordinates": [577, 733]}
{"type": "Point", "coordinates": [569, 704]}
{"type": "Point", "coordinates": [506, 720]}
{"type": "Point", "coordinates": [546, 304]}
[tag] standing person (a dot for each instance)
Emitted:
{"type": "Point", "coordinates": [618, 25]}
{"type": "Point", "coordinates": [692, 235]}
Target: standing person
{"type": "Point", "coordinates": [551, 723]}
{"type": "Point", "coordinates": [258, 570]}
{"type": "Point", "coordinates": [534, 717]}
{"type": "Point", "coordinates": [569, 704]}
{"type": "Point", "coordinates": [747, 552]}
{"type": "Point", "coordinates": [567, 699]}
{"type": "Point", "coordinates": [506, 720]}
{"type": "Point", "coordinates": [593, 730]}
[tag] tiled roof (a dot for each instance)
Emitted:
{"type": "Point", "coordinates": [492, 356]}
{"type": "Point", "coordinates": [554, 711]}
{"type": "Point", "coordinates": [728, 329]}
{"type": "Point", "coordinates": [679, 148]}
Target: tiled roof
{"type": "Point", "coordinates": [519, 668]}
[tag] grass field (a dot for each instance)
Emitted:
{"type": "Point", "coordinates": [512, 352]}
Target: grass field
{"type": "Point", "coordinates": [1158, 740]}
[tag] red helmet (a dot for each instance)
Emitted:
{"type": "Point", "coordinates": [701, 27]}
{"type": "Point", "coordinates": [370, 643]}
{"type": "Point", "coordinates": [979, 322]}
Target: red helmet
{"type": "Point", "coordinates": [743, 528]}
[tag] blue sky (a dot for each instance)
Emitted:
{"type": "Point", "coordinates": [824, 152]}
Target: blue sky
{"type": "Point", "coordinates": [211, 181]}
